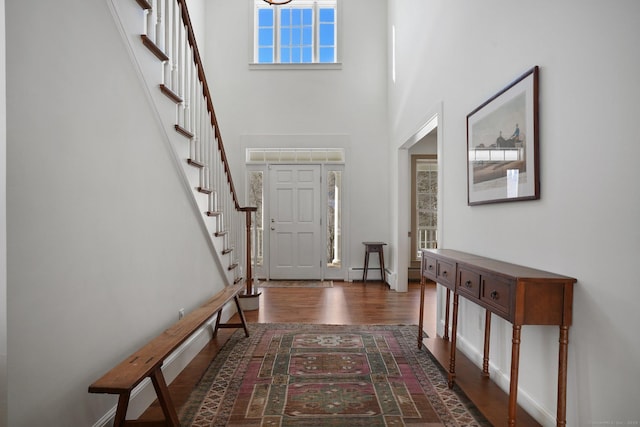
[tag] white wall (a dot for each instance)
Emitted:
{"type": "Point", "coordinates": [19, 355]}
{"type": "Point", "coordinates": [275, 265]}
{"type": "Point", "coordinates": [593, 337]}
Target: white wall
{"type": "Point", "coordinates": [104, 245]}
{"type": "Point", "coordinates": [198, 22]}
{"type": "Point", "coordinates": [3, 223]}
{"type": "Point", "coordinates": [458, 54]}
{"type": "Point", "coordinates": [346, 106]}
{"type": "Point", "coordinates": [427, 145]}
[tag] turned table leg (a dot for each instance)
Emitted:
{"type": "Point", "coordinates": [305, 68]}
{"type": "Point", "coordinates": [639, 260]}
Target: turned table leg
{"type": "Point", "coordinates": [487, 339]}
{"type": "Point", "coordinates": [446, 316]}
{"type": "Point", "coordinates": [513, 386]}
{"type": "Point", "coordinates": [420, 320]}
{"type": "Point", "coordinates": [562, 376]}
{"type": "Point", "coordinates": [454, 334]}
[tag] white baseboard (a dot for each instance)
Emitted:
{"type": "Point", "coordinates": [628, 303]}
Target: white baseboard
{"type": "Point", "coordinates": [143, 395]}
{"type": "Point", "coordinates": [355, 274]}
{"type": "Point", "coordinates": [392, 279]}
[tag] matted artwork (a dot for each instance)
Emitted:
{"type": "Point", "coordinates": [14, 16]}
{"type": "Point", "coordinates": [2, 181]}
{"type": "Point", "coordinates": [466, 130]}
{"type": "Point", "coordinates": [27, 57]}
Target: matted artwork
{"type": "Point", "coordinates": [502, 144]}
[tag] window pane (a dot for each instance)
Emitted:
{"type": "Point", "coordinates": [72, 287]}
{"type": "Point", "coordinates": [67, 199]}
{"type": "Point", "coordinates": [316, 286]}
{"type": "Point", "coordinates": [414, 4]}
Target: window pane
{"type": "Point", "coordinates": [307, 54]}
{"type": "Point", "coordinates": [296, 39]}
{"type": "Point", "coordinates": [307, 17]}
{"type": "Point", "coordinates": [265, 37]}
{"type": "Point", "coordinates": [265, 18]}
{"type": "Point", "coordinates": [295, 55]}
{"type": "Point", "coordinates": [265, 55]}
{"type": "Point", "coordinates": [296, 17]}
{"type": "Point", "coordinates": [285, 55]}
{"type": "Point", "coordinates": [327, 15]}
{"type": "Point", "coordinates": [285, 17]}
{"type": "Point", "coordinates": [327, 35]}
{"type": "Point", "coordinates": [307, 36]}
{"type": "Point", "coordinates": [285, 38]}
{"type": "Point", "coordinates": [326, 54]}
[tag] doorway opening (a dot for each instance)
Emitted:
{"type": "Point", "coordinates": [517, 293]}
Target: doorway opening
{"type": "Point", "coordinates": [425, 141]}
{"type": "Point", "coordinates": [423, 200]}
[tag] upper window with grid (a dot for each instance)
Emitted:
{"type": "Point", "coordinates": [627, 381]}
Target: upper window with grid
{"type": "Point", "coordinates": [300, 32]}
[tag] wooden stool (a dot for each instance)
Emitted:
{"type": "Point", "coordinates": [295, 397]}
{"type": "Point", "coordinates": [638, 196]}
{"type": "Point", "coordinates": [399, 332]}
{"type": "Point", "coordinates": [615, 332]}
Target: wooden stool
{"type": "Point", "coordinates": [372, 247]}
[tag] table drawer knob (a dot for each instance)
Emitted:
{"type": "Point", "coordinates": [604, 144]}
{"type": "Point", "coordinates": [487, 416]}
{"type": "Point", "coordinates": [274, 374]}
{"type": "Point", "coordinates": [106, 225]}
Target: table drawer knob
{"type": "Point", "coordinates": [468, 283]}
{"type": "Point", "coordinates": [494, 295]}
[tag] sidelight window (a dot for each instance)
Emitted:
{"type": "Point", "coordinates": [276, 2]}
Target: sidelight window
{"type": "Point", "coordinates": [254, 198]}
{"type": "Point", "coordinates": [334, 218]}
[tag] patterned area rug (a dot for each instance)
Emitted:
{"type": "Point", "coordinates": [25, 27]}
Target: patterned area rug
{"type": "Point", "coordinates": [326, 375]}
{"type": "Point", "coordinates": [296, 284]}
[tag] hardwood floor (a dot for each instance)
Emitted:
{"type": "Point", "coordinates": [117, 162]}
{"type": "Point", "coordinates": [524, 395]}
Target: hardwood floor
{"type": "Point", "coordinates": [352, 304]}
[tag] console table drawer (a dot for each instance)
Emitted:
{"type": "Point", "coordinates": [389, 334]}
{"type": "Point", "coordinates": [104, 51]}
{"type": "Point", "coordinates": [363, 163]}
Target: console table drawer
{"type": "Point", "coordinates": [429, 267]}
{"type": "Point", "coordinates": [446, 273]}
{"type": "Point", "coordinates": [496, 292]}
{"type": "Point", "coordinates": [468, 283]}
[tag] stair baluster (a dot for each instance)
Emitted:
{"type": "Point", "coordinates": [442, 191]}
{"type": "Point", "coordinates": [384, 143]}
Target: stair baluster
{"type": "Point", "coordinates": [168, 33]}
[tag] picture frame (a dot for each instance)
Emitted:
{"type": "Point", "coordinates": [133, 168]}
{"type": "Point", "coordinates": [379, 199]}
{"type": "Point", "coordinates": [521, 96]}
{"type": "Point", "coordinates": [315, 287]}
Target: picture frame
{"type": "Point", "coordinates": [503, 146]}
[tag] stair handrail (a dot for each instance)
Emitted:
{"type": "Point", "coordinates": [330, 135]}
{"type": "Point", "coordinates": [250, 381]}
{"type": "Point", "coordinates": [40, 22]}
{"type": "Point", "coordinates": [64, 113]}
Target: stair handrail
{"type": "Point", "coordinates": [214, 122]}
{"type": "Point", "coordinates": [207, 94]}
{"type": "Point", "coordinates": [197, 62]}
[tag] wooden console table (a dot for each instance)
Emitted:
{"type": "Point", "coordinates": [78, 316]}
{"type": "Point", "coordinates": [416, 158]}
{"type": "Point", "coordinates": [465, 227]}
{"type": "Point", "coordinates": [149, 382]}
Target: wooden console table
{"type": "Point", "coordinates": [520, 295]}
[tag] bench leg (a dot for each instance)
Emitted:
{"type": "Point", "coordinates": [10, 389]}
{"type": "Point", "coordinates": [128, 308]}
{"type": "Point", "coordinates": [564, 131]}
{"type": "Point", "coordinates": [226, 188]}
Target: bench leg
{"type": "Point", "coordinates": [243, 323]}
{"type": "Point", "coordinates": [170, 414]}
{"type": "Point", "coordinates": [121, 412]}
{"type": "Point", "coordinates": [215, 328]}
{"type": "Point", "coordinates": [241, 314]}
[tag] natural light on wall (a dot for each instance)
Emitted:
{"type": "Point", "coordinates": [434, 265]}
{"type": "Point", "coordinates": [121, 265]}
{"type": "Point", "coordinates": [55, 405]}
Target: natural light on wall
{"type": "Point", "coordinates": [393, 53]}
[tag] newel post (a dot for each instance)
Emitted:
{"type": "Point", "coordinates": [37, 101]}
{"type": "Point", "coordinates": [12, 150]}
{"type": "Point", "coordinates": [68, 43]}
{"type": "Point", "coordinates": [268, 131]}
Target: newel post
{"type": "Point", "coordinates": [248, 212]}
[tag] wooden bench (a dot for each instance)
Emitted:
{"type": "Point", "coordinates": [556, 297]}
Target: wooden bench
{"type": "Point", "coordinates": [147, 361]}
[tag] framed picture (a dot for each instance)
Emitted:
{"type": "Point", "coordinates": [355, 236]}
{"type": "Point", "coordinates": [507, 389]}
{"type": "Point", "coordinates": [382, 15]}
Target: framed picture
{"type": "Point", "coordinates": [502, 145]}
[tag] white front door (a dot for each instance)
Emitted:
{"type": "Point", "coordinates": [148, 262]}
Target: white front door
{"type": "Point", "coordinates": [295, 222]}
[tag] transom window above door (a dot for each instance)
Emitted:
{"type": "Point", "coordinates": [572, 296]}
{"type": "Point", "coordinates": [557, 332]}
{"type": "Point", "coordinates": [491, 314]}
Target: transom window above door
{"type": "Point", "coordinates": [300, 32]}
{"type": "Point", "coordinates": [294, 155]}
